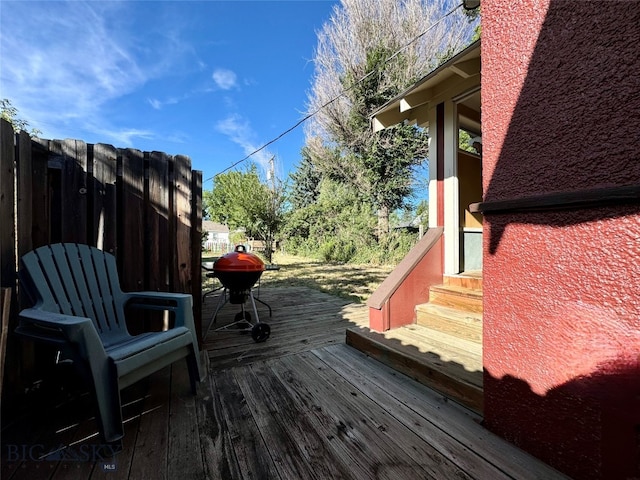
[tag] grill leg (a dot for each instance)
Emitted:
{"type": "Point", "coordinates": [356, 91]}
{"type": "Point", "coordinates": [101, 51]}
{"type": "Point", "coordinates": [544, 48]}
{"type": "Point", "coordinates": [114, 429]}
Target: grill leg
{"type": "Point", "coordinates": [221, 303]}
{"type": "Point", "coordinates": [266, 305]}
{"type": "Point", "coordinates": [255, 310]}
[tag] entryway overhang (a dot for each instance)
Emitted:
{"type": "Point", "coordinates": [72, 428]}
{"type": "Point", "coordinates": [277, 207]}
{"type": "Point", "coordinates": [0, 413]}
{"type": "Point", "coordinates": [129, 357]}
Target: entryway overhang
{"type": "Point", "coordinates": [455, 76]}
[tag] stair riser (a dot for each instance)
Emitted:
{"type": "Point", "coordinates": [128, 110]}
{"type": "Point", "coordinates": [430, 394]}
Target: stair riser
{"type": "Point", "coordinates": [474, 283]}
{"type": "Point", "coordinates": [452, 299]}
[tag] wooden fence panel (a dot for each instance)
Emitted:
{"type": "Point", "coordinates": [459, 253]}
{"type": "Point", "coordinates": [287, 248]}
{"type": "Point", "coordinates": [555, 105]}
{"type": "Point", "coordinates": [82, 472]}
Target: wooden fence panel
{"type": "Point", "coordinates": [196, 246]}
{"type": "Point", "coordinates": [103, 225]}
{"type": "Point", "coordinates": [157, 222]}
{"type": "Point", "coordinates": [7, 245]}
{"type": "Point", "coordinates": [40, 227]}
{"type": "Point", "coordinates": [146, 208]}
{"type": "Point", "coordinates": [132, 259]}
{"type": "Point", "coordinates": [24, 196]}
{"type": "Point", "coordinates": [70, 218]}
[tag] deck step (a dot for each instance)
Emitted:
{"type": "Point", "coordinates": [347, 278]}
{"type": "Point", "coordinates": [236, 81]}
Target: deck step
{"type": "Point", "coordinates": [429, 357]}
{"type": "Point", "coordinates": [461, 324]}
{"type": "Point", "coordinates": [453, 296]}
{"type": "Point", "coordinates": [472, 280]}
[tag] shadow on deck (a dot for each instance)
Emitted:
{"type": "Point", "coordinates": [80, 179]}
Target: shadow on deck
{"type": "Point", "coordinates": [301, 405]}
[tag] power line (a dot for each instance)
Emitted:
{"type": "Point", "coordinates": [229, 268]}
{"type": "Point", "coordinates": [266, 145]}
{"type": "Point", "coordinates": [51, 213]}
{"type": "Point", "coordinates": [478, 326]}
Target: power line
{"type": "Point", "coordinates": [323, 106]}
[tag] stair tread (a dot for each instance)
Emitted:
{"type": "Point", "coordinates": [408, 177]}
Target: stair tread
{"type": "Point", "coordinates": [451, 376]}
{"type": "Point", "coordinates": [437, 341]}
{"type": "Point", "coordinates": [414, 341]}
{"type": "Point", "coordinates": [465, 324]}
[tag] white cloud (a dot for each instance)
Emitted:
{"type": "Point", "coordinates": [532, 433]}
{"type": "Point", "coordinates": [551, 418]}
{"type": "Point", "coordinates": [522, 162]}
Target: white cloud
{"type": "Point", "coordinates": [240, 132]}
{"type": "Point", "coordinates": [126, 138]}
{"type": "Point", "coordinates": [225, 79]}
{"type": "Point", "coordinates": [66, 64]}
{"type": "Point", "coordinates": [155, 103]}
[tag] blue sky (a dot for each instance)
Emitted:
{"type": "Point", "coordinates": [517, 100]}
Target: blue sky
{"type": "Point", "coordinates": [213, 80]}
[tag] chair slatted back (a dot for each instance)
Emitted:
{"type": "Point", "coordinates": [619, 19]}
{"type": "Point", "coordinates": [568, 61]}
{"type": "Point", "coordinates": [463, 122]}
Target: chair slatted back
{"type": "Point", "coordinates": [78, 280]}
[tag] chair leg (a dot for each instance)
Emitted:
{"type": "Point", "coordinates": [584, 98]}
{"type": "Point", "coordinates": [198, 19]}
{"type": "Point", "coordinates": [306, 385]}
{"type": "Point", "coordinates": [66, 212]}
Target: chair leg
{"type": "Point", "coordinates": [110, 412]}
{"type": "Point", "coordinates": [193, 366]}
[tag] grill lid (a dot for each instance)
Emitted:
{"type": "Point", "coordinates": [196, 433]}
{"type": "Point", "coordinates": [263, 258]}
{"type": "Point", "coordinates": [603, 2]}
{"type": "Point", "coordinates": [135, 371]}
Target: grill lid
{"type": "Point", "coordinates": [239, 261]}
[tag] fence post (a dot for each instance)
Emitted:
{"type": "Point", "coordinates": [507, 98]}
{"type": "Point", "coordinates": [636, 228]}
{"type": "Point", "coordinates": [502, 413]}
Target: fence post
{"type": "Point", "coordinates": [196, 250]}
{"type": "Point", "coordinates": [7, 204]}
{"type": "Point", "coordinates": [8, 240]}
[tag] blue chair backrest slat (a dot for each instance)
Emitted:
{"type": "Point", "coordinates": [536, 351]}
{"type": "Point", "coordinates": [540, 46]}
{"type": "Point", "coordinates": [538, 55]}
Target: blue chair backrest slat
{"type": "Point", "coordinates": [103, 287]}
{"type": "Point", "coordinates": [113, 279]}
{"type": "Point", "coordinates": [101, 318]}
{"type": "Point", "coordinates": [65, 261]}
{"type": "Point", "coordinates": [54, 280]}
{"type": "Point", "coordinates": [41, 282]}
{"type": "Point", "coordinates": [83, 274]}
{"type": "Point", "coordinates": [81, 281]}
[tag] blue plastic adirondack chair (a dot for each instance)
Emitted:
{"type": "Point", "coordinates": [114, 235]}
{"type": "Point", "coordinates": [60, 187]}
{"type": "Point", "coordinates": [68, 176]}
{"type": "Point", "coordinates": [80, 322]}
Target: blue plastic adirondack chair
{"type": "Point", "coordinates": [79, 308]}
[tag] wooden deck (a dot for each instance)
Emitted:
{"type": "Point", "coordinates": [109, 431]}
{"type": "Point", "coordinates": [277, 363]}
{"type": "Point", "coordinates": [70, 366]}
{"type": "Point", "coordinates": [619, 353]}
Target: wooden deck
{"type": "Point", "coordinates": [302, 405]}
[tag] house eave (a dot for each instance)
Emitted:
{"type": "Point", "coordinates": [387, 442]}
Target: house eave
{"type": "Point", "coordinates": [457, 72]}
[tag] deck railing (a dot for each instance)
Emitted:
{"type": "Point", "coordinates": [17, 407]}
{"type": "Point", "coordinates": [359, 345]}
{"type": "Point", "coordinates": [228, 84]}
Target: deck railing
{"type": "Point", "coordinates": [393, 303]}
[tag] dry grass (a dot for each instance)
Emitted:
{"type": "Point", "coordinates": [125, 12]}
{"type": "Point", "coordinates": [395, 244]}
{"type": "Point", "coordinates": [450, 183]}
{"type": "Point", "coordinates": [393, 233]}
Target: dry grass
{"type": "Point", "coordinates": [352, 282]}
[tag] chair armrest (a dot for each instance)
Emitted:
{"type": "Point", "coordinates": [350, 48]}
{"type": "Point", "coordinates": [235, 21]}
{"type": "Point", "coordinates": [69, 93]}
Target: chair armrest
{"type": "Point", "coordinates": [157, 298]}
{"type": "Point", "coordinates": [180, 303]}
{"type": "Point", "coordinates": [58, 328]}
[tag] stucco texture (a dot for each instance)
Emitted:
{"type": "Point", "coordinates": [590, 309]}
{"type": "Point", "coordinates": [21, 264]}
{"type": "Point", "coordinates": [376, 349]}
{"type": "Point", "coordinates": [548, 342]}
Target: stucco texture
{"type": "Point", "coordinates": [561, 112]}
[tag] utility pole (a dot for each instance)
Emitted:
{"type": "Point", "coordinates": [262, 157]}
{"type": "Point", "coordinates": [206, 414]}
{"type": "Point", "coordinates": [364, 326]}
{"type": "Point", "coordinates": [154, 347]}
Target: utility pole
{"type": "Point", "coordinates": [271, 173]}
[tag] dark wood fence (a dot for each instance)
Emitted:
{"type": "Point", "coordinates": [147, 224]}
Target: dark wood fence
{"type": "Point", "coordinates": [144, 207]}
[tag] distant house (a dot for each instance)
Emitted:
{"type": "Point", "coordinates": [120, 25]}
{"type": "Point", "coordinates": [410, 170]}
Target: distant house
{"type": "Point", "coordinates": [217, 236]}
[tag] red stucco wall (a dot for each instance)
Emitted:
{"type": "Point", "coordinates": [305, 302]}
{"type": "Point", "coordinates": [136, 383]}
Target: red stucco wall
{"type": "Point", "coordinates": [561, 112]}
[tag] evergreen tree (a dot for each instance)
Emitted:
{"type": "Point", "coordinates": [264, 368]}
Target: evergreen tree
{"type": "Point", "coordinates": [305, 182]}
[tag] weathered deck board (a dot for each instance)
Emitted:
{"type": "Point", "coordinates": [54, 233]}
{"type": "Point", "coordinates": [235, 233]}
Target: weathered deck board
{"type": "Point", "coordinates": [185, 457]}
{"type": "Point", "coordinates": [290, 440]}
{"type": "Point", "coordinates": [150, 452]}
{"type": "Point", "coordinates": [462, 424]}
{"type": "Point", "coordinates": [384, 447]}
{"type": "Point", "coordinates": [353, 368]}
{"type": "Point", "coordinates": [295, 439]}
{"type": "Point", "coordinates": [302, 319]}
{"type": "Point", "coordinates": [250, 454]}
{"type": "Point", "coordinates": [303, 404]}
{"type": "Point", "coordinates": [215, 438]}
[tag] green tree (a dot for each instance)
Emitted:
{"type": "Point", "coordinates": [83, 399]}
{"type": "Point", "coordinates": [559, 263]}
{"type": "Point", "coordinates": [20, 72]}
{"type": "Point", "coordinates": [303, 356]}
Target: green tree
{"type": "Point", "coordinates": [305, 182]}
{"type": "Point", "coordinates": [367, 53]}
{"type": "Point", "coordinates": [242, 201]}
{"type": "Point", "coordinates": [10, 113]}
{"type": "Point", "coordinates": [422, 211]}
{"type": "Point", "coordinates": [332, 228]}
